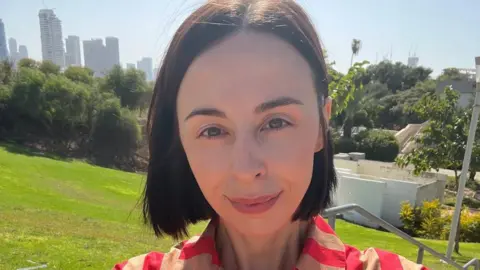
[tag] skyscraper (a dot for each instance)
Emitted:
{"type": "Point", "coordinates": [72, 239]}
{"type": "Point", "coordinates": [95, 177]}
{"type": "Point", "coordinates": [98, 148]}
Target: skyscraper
{"type": "Point", "coordinates": [94, 55]}
{"type": "Point", "coordinates": [113, 51]}
{"type": "Point", "coordinates": [51, 37]}
{"type": "Point", "coordinates": [3, 42]}
{"type": "Point", "coordinates": [146, 66]}
{"type": "Point", "coordinates": [12, 47]}
{"type": "Point", "coordinates": [72, 55]}
{"type": "Point", "coordinates": [22, 52]}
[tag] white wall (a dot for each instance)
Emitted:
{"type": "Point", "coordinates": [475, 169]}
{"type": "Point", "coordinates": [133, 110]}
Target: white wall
{"type": "Point", "coordinates": [366, 193]}
{"type": "Point", "coordinates": [395, 193]}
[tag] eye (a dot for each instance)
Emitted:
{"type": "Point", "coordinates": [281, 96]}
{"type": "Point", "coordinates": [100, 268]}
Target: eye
{"type": "Point", "coordinates": [212, 132]}
{"type": "Point", "coordinates": [276, 124]}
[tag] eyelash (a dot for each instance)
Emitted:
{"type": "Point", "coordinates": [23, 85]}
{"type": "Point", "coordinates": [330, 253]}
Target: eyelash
{"type": "Point", "coordinates": [204, 132]}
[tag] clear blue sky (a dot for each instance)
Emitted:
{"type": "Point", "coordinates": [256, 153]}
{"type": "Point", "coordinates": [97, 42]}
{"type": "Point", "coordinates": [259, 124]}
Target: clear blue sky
{"type": "Point", "coordinates": [443, 33]}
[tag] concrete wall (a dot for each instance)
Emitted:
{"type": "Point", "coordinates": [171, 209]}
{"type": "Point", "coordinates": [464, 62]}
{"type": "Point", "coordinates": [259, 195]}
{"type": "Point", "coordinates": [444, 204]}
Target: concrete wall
{"type": "Point", "coordinates": [376, 187]}
{"type": "Point", "coordinates": [395, 193]}
{"type": "Point", "coordinates": [406, 133]}
{"type": "Point", "coordinates": [429, 192]}
{"type": "Point", "coordinates": [366, 193]}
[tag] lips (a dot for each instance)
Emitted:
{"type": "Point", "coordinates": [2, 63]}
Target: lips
{"type": "Point", "coordinates": [255, 205]}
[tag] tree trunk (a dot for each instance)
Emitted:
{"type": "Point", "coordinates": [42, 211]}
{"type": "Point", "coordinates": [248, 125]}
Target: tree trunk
{"type": "Point", "coordinates": [347, 128]}
{"type": "Point", "coordinates": [471, 175]}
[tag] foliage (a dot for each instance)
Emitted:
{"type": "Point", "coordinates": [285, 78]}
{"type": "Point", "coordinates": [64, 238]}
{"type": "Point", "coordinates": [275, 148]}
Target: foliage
{"type": "Point", "coordinates": [48, 67]}
{"type": "Point", "coordinates": [71, 113]}
{"type": "Point", "coordinates": [120, 148]}
{"type": "Point", "coordinates": [130, 86]}
{"type": "Point", "coordinates": [410, 217]}
{"type": "Point", "coordinates": [79, 74]}
{"type": "Point", "coordinates": [344, 145]}
{"type": "Point", "coordinates": [469, 227]}
{"type": "Point", "coordinates": [452, 74]}
{"type": "Point", "coordinates": [378, 145]}
{"type": "Point", "coordinates": [444, 138]}
{"type": "Point", "coordinates": [27, 63]}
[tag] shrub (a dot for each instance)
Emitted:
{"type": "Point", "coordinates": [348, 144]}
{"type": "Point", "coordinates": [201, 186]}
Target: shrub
{"type": "Point", "coordinates": [378, 145]}
{"type": "Point", "coordinates": [344, 145]}
{"type": "Point", "coordinates": [409, 216]}
{"type": "Point", "coordinates": [432, 222]}
{"type": "Point", "coordinates": [469, 227]}
{"type": "Point", "coordinates": [115, 135]}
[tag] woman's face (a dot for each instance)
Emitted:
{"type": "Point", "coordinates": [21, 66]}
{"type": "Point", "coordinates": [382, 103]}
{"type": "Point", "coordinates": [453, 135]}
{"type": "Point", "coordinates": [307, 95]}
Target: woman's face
{"type": "Point", "coordinates": [249, 123]}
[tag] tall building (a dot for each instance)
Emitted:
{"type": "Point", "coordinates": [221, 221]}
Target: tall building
{"type": "Point", "coordinates": [130, 65]}
{"type": "Point", "coordinates": [72, 54]}
{"type": "Point", "coordinates": [94, 55]}
{"type": "Point", "coordinates": [3, 42]}
{"type": "Point", "coordinates": [22, 52]}
{"type": "Point", "coordinates": [412, 61]}
{"type": "Point", "coordinates": [12, 47]}
{"type": "Point", "coordinates": [113, 51]}
{"type": "Point", "coordinates": [146, 66]}
{"type": "Point", "coordinates": [51, 37]}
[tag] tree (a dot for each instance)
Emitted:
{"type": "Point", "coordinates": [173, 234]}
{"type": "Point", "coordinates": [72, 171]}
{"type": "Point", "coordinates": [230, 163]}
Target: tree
{"type": "Point", "coordinates": [48, 67]}
{"type": "Point", "coordinates": [356, 46]}
{"type": "Point", "coordinates": [79, 74]}
{"type": "Point", "coordinates": [452, 74]}
{"type": "Point", "coordinates": [443, 141]}
{"type": "Point", "coordinates": [347, 95]}
{"type": "Point", "coordinates": [130, 86]}
{"type": "Point", "coordinates": [27, 63]}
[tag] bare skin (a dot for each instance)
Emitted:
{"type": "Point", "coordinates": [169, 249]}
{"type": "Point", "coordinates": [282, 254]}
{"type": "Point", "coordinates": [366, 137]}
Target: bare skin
{"type": "Point", "coordinates": [250, 124]}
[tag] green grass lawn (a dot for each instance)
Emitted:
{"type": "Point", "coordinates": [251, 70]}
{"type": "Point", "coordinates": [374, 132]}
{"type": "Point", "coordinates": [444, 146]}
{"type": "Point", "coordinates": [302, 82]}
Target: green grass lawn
{"type": "Point", "coordinates": [72, 215]}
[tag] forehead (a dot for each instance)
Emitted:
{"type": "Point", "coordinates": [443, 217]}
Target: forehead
{"type": "Point", "coordinates": [247, 67]}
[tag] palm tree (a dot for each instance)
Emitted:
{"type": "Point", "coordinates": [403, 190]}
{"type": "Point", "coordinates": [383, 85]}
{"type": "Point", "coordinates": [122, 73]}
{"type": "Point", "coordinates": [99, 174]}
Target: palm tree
{"type": "Point", "coordinates": [356, 46]}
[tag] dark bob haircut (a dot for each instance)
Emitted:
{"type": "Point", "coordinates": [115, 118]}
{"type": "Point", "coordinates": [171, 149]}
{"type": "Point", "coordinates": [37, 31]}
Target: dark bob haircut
{"type": "Point", "coordinates": [172, 198]}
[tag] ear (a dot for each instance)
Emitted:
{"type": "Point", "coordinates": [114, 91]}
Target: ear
{"type": "Point", "coordinates": [327, 113]}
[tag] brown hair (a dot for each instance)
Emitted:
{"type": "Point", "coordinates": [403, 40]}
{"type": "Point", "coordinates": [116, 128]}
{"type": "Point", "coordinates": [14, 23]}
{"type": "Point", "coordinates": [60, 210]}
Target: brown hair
{"type": "Point", "coordinates": [172, 198]}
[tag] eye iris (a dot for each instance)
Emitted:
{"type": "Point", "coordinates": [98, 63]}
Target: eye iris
{"type": "Point", "coordinates": [212, 132]}
{"type": "Point", "coordinates": [276, 123]}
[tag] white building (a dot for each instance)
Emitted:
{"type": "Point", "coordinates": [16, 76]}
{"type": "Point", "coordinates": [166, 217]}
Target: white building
{"type": "Point", "coordinates": [72, 54]}
{"type": "Point", "coordinates": [51, 37]}
{"type": "Point", "coordinates": [94, 55]}
{"type": "Point", "coordinates": [412, 61]}
{"type": "Point", "coordinates": [113, 51]}
{"type": "Point", "coordinates": [146, 65]}
{"type": "Point", "coordinates": [3, 42]}
{"type": "Point", "coordinates": [22, 52]}
{"type": "Point", "coordinates": [13, 48]}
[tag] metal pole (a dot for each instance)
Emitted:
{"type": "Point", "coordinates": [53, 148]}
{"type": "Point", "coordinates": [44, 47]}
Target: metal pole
{"type": "Point", "coordinates": [466, 162]}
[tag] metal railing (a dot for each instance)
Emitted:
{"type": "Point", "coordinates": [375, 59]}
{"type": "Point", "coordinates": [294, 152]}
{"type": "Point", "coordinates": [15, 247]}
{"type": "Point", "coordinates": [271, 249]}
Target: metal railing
{"type": "Point", "coordinates": [332, 213]}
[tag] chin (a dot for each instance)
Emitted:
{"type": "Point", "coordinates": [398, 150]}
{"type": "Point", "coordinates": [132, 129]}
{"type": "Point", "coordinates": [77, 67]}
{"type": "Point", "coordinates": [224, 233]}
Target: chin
{"type": "Point", "coordinates": [264, 224]}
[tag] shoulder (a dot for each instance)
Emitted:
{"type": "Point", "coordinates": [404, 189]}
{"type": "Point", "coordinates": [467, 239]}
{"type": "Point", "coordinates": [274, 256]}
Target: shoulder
{"type": "Point", "coordinates": [152, 259]}
{"type": "Point", "coordinates": [373, 258]}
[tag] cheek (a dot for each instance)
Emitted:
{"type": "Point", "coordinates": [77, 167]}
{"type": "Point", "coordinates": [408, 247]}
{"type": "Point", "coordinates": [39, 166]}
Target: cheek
{"type": "Point", "coordinates": [209, 166]}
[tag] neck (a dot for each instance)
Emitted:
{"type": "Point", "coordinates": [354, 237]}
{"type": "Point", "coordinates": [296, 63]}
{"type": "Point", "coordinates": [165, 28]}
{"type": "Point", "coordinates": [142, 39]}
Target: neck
{"type": "Point", "coordinates": [278, 250]}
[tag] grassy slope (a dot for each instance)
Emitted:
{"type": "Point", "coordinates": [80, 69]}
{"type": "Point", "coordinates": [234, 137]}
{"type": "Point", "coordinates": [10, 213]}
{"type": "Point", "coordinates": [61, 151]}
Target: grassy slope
{"type": "Point", "coordinates": [75, 216]}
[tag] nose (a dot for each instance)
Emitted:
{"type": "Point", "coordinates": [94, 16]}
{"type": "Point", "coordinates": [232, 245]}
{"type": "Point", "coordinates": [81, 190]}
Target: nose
{"type": "Point", "coordinates": [247, 160]}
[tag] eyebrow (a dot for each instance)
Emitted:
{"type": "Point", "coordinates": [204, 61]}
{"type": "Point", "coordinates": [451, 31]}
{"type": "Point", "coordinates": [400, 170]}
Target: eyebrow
{"type": "Point", "coordinates": [265, 106]}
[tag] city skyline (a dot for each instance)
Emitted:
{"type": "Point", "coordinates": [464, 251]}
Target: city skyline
{"type": "Point", "coordinates": [434, 30]}
{"type": "Point", "coordinates": [97, 56]}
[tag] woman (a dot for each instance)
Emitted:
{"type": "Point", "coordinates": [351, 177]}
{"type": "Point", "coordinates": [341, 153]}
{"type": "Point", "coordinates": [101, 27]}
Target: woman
{"type": "Point", "coordinates": [239, 136]}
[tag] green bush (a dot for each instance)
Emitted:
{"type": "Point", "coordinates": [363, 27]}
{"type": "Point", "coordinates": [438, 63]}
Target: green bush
{"type": "Point", "coordinates": [428, 221]}
{"type": "Point", "coordinates": [469, 227]}
{"type": "Point", "coordinates": [344, 145]}
{"type": "Point", "coordinates": [115, 135]}
{"type": "Point", "coordinates": [378, 145]}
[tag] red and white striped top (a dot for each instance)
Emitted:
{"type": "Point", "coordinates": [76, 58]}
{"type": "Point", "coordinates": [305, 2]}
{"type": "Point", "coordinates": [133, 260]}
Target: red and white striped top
{"type": "Point", "coordinates": [322, 250]}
